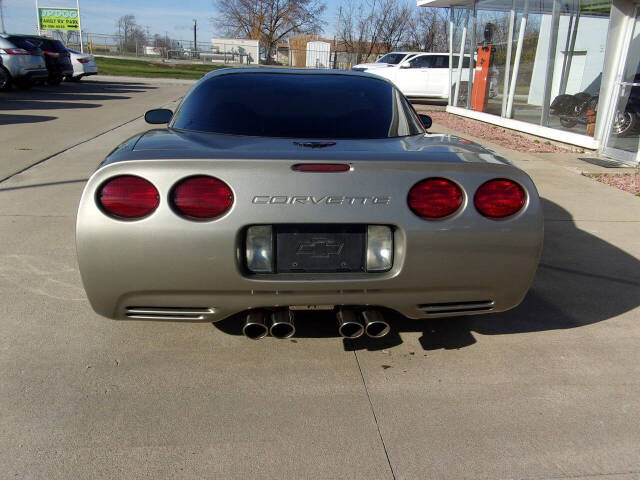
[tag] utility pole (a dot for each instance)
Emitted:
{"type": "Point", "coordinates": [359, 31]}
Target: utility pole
{"type": "Point", "coordinates": [195, 38]}
{"type": "Point", "coordinates": [2, 19]}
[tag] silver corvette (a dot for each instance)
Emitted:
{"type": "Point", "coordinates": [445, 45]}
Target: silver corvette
{"type": "Point", "coordinates": [273, 191]}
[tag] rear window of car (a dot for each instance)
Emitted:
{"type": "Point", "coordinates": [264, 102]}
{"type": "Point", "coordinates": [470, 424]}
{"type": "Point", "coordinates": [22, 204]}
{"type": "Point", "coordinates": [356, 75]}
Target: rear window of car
{"type": "Point", "coordinates": [392, 58]}
{"type": "Point", "coordinates": [24, 43]}
{"type": "Point", "coordinates": [327, 106]}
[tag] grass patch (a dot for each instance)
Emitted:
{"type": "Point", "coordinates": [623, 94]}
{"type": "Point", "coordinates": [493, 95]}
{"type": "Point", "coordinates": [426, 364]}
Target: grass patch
{"type": "Point", "coordinates": [145, 68]}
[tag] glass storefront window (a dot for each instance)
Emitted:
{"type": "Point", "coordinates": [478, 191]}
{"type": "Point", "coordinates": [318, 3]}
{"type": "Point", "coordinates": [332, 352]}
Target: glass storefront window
{"type": "Point", "coordinates": [551, 54]}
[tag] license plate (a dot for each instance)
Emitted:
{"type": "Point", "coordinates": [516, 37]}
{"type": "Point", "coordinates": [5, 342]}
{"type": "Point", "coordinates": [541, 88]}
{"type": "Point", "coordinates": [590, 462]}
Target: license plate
{"type": "Point", "coordinates": [320, 248]}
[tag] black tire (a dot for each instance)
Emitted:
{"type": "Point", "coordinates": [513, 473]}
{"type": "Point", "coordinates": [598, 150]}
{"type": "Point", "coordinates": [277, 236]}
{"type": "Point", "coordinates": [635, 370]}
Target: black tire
{"type": "Point", "coordinates": [74, 79]}
{"type": "Point", "coordinates": [567, 122]}
{"type": "Point", "coordinates": [624, 123]}
{"type": "Point", "coordinates": [5, 80]}
{"type": "Point", "coordinates": [54, 80]}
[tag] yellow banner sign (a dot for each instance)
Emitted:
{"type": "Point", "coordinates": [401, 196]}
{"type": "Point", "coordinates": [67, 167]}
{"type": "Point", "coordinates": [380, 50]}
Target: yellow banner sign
{"type": "Point", "coordinates": [58, 18]}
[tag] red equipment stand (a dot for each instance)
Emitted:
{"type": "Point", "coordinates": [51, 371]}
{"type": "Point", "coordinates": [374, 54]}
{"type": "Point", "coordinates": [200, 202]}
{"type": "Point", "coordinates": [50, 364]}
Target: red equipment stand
{"type": "Point", "coordinates": [480, 93]}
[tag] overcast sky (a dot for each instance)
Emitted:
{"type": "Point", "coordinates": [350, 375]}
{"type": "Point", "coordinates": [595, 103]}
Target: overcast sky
{"type": "Point", "coordinates": [99, 16]}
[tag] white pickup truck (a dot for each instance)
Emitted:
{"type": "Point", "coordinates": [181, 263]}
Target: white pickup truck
{"type": "Point", "coordinates": [424, 75]}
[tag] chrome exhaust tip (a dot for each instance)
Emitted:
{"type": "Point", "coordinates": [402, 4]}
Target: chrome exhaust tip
{"type": "Point", "coordinates": [282, 324]}
{"type": "Point", "coordinates": [374, 324]}
{"type": "Point", "coordinates": [349, 325]}
{"type": "Point", "coordinates": [255, 325]}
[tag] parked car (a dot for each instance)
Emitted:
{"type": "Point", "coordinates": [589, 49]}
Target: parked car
{"type": "Point", "coordinates": [22, 62]}
{"type": "Point", "coordinates": [57, 58]}
{"type": "Point", "coordinates": [83, 66]}
{"type": "Point", "coordinates": [425, 75]}
{"type": "Point", "coordinates": [388, 60]}
{"type": "Point", "coordinates": [356, 209]}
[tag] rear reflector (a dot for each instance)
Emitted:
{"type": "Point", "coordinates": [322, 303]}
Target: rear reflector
{"type": "Point", "coordinates": [499, 198]}
{"type": "Point", "coordinates": [201, 197]}
{"type": "Point", "coordinates": [15, 51]}
{"type": "Point", "coordinates": [128, 197]}
{"type": "Point", "coordinates": [434, 198]}
{"type": "Point", "coordinates": [321, 167]}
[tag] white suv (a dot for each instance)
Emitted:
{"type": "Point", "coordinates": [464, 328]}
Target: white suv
{"type": "Point", "coordinates": [388, 60]}
{"type": "Point", "coordinates": [423, 74]}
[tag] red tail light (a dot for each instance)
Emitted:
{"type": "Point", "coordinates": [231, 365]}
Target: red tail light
{"type": "Point", "coordinates": [434, 198]}
{"type": "Point", "coordinates": [15, 51]}
{"type": "Point", "coordinates": [499, 198]}
{"type": "Point", "coordinates": [128, 197]}
{"type": "Point", "coordinates": [202, 197]}
{"type": "Point", "coordinates": [84, 60]}
{"type": "Point", "coordinates": [51, 54]}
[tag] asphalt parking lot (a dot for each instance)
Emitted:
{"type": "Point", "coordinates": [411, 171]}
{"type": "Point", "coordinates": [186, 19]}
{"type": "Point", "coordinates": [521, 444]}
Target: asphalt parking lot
{"type": "Point", "coordinates": [548, 390]}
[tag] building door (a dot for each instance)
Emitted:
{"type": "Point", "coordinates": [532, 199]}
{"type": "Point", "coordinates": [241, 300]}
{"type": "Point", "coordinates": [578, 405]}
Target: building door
{"type": "Point", "coordinates": [622, 140]}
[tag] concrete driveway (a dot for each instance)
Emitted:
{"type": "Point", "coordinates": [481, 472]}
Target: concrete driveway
{"type": "Point", "coordinates": [548, 390]}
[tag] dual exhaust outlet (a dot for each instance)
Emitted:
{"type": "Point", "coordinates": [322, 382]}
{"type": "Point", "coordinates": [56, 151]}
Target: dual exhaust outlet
{"type": "Point", "coordinates": [351, 324]}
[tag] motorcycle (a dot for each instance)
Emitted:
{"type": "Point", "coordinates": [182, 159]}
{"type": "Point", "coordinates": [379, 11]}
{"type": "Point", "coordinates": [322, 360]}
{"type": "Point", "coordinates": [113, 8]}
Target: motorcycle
{"type": "Point", "coordinates": [582, 108]}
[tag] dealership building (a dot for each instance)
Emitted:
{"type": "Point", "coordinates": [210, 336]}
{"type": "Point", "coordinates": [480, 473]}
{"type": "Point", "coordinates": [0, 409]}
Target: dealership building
{"type": "Point", "coordinates": [526, 54]}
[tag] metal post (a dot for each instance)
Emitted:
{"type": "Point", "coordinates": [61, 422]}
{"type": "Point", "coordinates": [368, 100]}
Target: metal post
{"type": "Point", "coordinates": [472, 61]}
{"type": "Point", "coordinates": [460, 62]}
{"type": "Point", "coordinates": [516, 62]}
{"type": "Point", "coordinates": [37, 19]}
{"type": "Point", "coordinates": [450, 53]}
{"type": "Point", "coordinates": [551, 62]}
{"type": "Point", "coordinates": [507, 64]}
{"type": "Point", "coordinates": [566, 65]}
{"type": "Point", "coordinates": [1, 19]}
{"type": "Point", "coordinates": [80, 26]}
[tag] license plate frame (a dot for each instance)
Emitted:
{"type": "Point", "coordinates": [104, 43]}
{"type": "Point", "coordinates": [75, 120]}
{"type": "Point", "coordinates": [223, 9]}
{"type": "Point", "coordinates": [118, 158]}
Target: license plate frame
{"type": "Point", "coordinates": [320, 248]}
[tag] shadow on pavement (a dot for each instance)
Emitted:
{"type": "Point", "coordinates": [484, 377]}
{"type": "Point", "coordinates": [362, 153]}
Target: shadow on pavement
{"type": "Point", "coordinates": [68, 95]}
{"type": "Point", "coordinates": [581, 280]}
{"type": "Point", "coordinates": [10, 119]}
{"type": "Point", "coordinates": [43, 105]}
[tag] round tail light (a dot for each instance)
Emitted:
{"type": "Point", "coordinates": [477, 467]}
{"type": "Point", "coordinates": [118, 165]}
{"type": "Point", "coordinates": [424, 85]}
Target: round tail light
{"type": "Point", "coordinates": [434, 198]}
{"type": "Point", "coordinates": [128, 197]}
{"type": "Point", "coordinates": [201, 197]}
{"type": "Point", "coordinates": [499, 198]}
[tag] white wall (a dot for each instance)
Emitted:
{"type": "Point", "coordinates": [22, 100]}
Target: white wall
{"type": "Point", "coordinates": [586, 67]}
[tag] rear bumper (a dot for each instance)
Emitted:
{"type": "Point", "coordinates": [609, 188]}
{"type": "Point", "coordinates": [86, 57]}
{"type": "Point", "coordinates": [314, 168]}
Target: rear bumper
{"type": "Point", "coordinates": [462, 265]}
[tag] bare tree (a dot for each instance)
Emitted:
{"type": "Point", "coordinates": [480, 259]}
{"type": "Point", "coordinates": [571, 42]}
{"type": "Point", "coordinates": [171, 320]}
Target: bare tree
{"type": "Point", "coordinates": [428, 30]}
{"type": "Point", "coordinates": [130, 33]}
{"type": "Point", "coordinates": [369, 27]}
{"type": "Point", "coordinates": [269, 21]}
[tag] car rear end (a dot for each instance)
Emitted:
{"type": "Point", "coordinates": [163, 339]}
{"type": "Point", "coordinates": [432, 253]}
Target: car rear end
{"type": "Point", "coordinates": [206, 239]}
{"type": "Point", "coordinates": [58, 60]}
{"type": "Point", "coordinates": [277, 191]}
{"type": "Point", "coordinates": [22, 60]}
{"type": "Point", "coordinates": [84, 65]}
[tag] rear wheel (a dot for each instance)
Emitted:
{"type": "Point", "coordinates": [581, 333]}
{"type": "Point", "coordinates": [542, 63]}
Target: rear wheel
{"type": "Point", "coordinates": [567, 122]}
{"type": "Point", "coordinates": [624, 123]}
{"type": "Point", "coordinates": [54, 80]}
{"type": "Point", "coordinates": [5, 80]}
{"type": "Point", "coordinates": [74, 79]}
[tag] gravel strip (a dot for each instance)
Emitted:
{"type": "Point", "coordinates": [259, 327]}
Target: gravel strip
{"type": "Point", "coordinates": [498, 135]}
{"type": "Point", "coordinates": [629, 182]}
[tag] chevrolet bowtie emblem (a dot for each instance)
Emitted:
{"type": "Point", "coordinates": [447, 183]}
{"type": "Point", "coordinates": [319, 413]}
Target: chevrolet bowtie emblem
{"type": "Point", "coordinates": [321, 248]}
